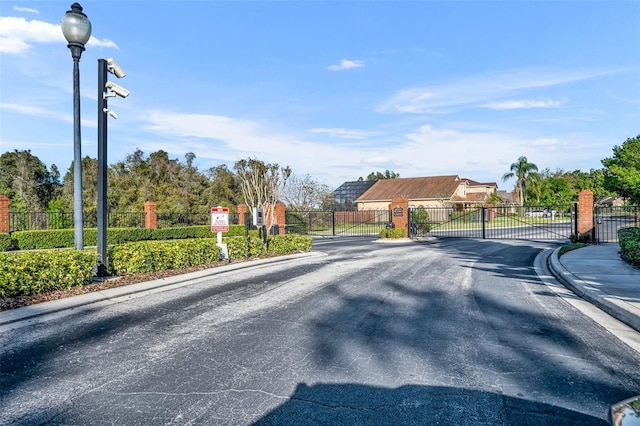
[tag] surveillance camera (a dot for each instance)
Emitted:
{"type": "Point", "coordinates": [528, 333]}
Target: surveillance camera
{"type": "Point", "coordinates": [118, 90]}
{"type": "Point", "coordinates": [111, 113]}
{"type": "Point", "coordinates": [114, 68]}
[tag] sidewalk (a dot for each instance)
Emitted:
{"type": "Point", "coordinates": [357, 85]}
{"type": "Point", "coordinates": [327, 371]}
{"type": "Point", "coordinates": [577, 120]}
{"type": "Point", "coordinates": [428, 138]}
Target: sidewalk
{"type": "Point", "coordinates": [597, 274]}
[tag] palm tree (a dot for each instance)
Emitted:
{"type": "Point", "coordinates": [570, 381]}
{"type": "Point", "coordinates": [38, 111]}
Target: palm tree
{"type": "Point", "coordinates": [520, 170]}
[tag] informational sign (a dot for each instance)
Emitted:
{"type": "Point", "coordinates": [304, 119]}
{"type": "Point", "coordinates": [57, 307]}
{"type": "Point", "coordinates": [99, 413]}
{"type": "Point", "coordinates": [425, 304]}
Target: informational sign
{"type": "Point", "coordinates": [219, 219]}
{"type": "Point", "coordinates": [398, 212]}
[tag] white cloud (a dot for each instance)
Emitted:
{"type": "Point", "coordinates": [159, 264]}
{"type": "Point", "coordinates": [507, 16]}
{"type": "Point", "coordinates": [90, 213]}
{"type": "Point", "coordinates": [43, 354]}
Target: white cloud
{"type": "Point", "coordinates": [522, 104]}
{"type": "Point", "coordinates": [36, 111]}
{"type": "Point", "coordinates": [346, 64]}
{"type": "Point", "coordinates": [26, 9]}
{"type": "Point", "coordinates": [377, 160]}
{"type": "Point", "coordinates": [17, 35]}
{"type": "Point", "coordinates": [343, 133]}
{"type": "Point", "coordinates": [478, 90]}
{"type": "Point", "coordinates": [549, 143]}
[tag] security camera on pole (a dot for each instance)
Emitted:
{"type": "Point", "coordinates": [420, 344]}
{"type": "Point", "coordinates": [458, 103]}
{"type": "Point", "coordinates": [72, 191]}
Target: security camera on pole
{"type": "Point", "coordinates": [106, 90]}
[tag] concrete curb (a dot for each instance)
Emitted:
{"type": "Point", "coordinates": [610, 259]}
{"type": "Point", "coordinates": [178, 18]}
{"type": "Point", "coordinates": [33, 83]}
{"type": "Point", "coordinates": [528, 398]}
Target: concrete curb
{"type": "Point", "coordinates": [112, 295]}
{"type": "Point", "coordinates": [614, 306]}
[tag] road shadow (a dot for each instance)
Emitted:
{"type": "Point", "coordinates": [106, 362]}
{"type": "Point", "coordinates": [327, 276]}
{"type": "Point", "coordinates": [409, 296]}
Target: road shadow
{"type": "Point", "coordinates": [357, 404]}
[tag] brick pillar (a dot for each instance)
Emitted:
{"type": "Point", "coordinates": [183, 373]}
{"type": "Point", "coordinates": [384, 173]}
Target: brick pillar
{"type": "Point", "coordinates": [400, 214]}
{"type": "Point", "coordinates": [242, 213]}
{"type": "Point", "coordinates": [585, 212]}
{"type": "Point", "coordinates": [280, 213]}
{"type": "Point", "coordinates": [150, 215]}
{"type": "Point", "coordinates": [490, 212]}
{"type": "Point", "coordinates": [4, 214]}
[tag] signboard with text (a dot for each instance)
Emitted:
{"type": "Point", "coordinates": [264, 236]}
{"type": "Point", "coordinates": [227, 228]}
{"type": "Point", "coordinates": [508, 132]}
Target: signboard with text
{"type": "Point", "coordinates": [219, 219]}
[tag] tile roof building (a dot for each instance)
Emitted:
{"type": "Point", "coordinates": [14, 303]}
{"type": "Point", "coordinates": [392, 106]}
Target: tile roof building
{"type": "Point", "coordinates": [432, 191]}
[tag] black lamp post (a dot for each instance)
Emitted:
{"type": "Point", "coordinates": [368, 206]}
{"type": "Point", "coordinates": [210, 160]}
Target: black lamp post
{"type": "Point", "coordinates": [76, 28]}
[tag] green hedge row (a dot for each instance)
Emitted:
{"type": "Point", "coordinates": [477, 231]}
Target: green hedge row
{"type": "Point", "coordinates": [38, 272]}
{"type": "Point", "coordinates": [5, 242]}
{"type": "Point", "coordinates": [629, 239]}
{"type": "Point", "coordinates": [60, 238]}
{"type": "Point", "coordinates": [26, 273]}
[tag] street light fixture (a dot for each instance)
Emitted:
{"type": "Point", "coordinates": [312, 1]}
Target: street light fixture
{"type": "Point", "coordinates": [76, 28]}
{"type": "Point", "coordinates": [106, 90]}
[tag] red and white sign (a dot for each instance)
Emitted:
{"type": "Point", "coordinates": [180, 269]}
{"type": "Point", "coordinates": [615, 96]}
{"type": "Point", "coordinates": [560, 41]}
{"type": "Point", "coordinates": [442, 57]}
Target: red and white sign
{"type": "Point", "coordinates": [219, 219]}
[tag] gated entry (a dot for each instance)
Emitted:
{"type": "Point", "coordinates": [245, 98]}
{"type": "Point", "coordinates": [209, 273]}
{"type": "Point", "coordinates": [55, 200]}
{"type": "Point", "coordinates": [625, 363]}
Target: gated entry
{"type": "Point", "coordinates": [532, 223]}
{"type": "Point", "coordinates": [609, 219]}
{"type": "Point", "coordinates": [351, 223]}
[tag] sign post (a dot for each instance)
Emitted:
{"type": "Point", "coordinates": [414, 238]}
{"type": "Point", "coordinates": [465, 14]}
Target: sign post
{"type": "Point", "coordinates": [220, 224]}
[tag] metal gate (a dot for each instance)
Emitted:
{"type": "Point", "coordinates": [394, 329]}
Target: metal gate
{"type": "Point", "coordinates": [352, 223]}
{"type": "Point", "coordinates": [607, 220]}
{"type": "Point", "coordinates": [500, 222]}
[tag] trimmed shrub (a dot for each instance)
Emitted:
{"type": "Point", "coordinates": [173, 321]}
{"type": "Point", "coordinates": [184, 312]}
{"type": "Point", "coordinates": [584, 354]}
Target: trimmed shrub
{"type": "Point", "coordinates": [38, 272]}
{"type": "Point", "coordinates": [288, 243]}
{"type": "Point", "coordinates": [392, 233]}
{"type": "Point", "coordinates": [241, 247]}
{"type": "Point", "coordinates": [6, 242]}
{"type": "Point", "coordinates": [60, 238]}
{"type": "Point", "coordinates": [629, 240]}
{"type": "Point", "coordinates": [150, 256]}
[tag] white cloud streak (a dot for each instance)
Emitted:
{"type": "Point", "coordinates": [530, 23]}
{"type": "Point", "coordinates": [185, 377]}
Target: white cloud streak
{"type": "Point", "coordinates": [484, 91]}
{"type": "Point", "coordinates": [343, 133]}
{"type": "Point", "coordinates": [26, 9]}
{"type": "Point", "coordinates": [523, 104]}
{"type": "Point", "coordinates": [346, 64]}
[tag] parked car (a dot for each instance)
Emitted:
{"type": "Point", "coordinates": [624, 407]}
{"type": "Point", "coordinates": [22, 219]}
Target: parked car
{"type": "Point", "coordinates": [540, 213]}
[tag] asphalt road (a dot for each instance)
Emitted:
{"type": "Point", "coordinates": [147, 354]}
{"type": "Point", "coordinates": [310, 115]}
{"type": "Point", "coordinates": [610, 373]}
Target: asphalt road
{"type": "Point", "coordinates": [448, 332]}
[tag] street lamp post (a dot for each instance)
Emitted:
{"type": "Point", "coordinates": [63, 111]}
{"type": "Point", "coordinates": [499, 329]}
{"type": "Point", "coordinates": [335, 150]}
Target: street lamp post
{"type": "Point", "coordinates": [76, 28]}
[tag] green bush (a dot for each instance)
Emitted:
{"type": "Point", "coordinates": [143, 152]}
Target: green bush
{"type": "Point", "coordinates": [6, 242]}
{"type": "Point", "coordinates": [288, 243]}
{"type": "Point", "coordinates": [60, 238]}
{"type": "Point", "coordinates": [393, 233]}
{"type": "Point", "coordinates": [150, 256]}
{"type": "Point", "coordinates": [38, 272]}
{"type": "Point", "coordinates": [629, 240]}
{"type": "Point", "coordinates": [241, 247]}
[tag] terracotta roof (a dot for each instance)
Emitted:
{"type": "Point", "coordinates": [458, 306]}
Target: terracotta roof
{"type": "Point", "coordinates": [421, 188]}
{"type": "Point", "coordinates": [472, 197]}
{"type": "Point", "coordinates": [476, 183]}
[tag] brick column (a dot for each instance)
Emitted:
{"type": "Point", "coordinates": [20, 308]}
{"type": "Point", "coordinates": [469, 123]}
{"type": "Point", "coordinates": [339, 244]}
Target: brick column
{"type": "Point", "coordinates": [585, 212]}
{"type": "Point", "coordinates": [242, 213]}
{"type": "Point", "coordinates": [400, 214]}
{"type": "Point", "coordinates": [4, 214]}
{"type": "Point", "coordinates": [150, 215]}
{"type": "Point", "coordinates": [280, 213]}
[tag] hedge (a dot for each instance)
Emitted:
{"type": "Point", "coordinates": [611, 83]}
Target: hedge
{"type": "Point", "coordinates": [5, 242]}
{"type": "Point", "coordinates": [37, 272]}
{"type": "Point", "coordinates": [393, 233]}
{"type": "Point", "coordinates": [629, 240]}
{"type": "Point", "coordinates": [60, 238]}
{"type": "Point", "coordinates": [26, 273]}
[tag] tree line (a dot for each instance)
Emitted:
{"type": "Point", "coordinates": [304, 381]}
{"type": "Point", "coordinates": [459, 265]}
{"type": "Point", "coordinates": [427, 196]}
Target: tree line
{"type": "Point", "coordinates": [179, 186]}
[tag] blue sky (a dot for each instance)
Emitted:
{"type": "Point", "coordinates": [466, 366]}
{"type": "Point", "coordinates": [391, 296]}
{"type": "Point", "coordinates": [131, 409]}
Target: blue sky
{"type": "Point", "coordinates": [333, 89]}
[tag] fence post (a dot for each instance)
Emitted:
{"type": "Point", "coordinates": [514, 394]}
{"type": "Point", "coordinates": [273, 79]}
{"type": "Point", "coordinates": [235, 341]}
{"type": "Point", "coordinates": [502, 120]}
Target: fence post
{"type": "Point", "coordinates": [400, 214]}
{"type": "Point", "coordinates": [484, 226]}
{"type": "Point", "coordinates": [242, 213]}
{"type": "Point", "coordinates": [333, 222]}
{"type": "Point", "coordinates": [150, 215]}
{"type": "Point", "coordinates": [4, 214]}
{"type": "Point", "coordinates": [281, 218]}
{"type": "Point", "coordinates": [585, 213]}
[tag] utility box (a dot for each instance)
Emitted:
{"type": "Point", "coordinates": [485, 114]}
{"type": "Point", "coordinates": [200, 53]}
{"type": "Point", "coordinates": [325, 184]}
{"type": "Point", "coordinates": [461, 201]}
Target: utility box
{"type": "Point", "coordinates": [258, 217]}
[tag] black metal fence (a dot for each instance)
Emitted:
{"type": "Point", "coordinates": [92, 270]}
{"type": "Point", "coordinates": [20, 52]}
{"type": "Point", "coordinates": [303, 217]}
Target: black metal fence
{"type": "Point", "coordinates": [608, 220]}
{"type": "Point", "coordinates": [30, 221]}
{"type": "Point", "coordinates": [500, 222]}
{"type": "Point", "coordinates": [333, 223]}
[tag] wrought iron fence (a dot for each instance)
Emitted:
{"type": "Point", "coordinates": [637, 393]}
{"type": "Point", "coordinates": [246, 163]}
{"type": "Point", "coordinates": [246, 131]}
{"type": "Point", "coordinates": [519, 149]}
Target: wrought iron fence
{"type": "Point", "coordinates": [352, 223]}
{"type": "Point", "coordinates": [609, 219]}
{"type": "Point", "coordinates": [500, 222]}
{"type": "Point", "coordinates": [30, 221]}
